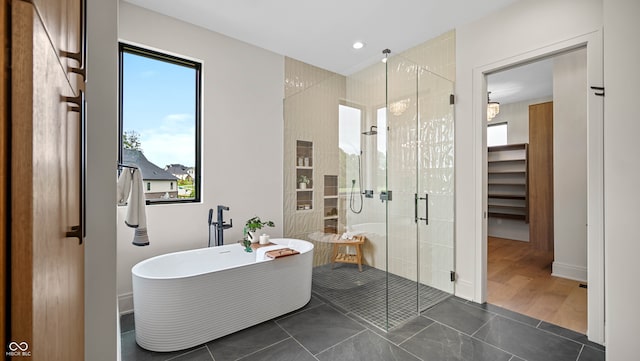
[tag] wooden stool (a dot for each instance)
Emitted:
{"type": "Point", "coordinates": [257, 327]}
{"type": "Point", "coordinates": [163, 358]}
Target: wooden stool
{"type": "Point", "coordinates": [344, 257]}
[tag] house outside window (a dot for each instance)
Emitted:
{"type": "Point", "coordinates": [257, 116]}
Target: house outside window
{"type": "Point", "coordinates": [148, 186]}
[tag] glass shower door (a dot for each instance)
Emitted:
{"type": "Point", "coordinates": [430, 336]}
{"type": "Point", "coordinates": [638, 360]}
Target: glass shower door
{"type": "Point", "coordinates": [401, 180]}
{"type": "Point", "coordinates": [435, 187]}
{"type": "Point", "coordinates": [419, 179]}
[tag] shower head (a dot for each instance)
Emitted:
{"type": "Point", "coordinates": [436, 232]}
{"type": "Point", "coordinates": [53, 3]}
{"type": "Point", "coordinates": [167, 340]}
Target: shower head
{"type": "Point", "coordinates": [372, 131]}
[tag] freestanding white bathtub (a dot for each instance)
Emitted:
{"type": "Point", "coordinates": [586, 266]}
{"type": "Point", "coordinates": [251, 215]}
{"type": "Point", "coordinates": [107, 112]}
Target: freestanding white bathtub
{"type": "Point", "coordinates": [184, 299]}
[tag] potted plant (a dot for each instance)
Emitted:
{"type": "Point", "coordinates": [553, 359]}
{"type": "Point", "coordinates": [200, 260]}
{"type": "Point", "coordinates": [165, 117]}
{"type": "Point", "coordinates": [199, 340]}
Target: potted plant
{"type": "Point", "coordinates": [253, 225]}
{"type": "Point", "coordinates": [247, 245]}
{"type": "Point", "coordinates": [303, 180]}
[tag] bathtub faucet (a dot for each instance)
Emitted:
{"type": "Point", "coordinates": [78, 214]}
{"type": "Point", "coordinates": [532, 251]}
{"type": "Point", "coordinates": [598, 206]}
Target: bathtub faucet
{"type": "Point", "coordinates": [220, 225]}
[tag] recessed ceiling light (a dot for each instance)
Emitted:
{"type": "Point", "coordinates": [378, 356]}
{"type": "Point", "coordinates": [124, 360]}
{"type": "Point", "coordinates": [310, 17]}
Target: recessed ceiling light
{"type": "Point", "coordinates": [358, 45]}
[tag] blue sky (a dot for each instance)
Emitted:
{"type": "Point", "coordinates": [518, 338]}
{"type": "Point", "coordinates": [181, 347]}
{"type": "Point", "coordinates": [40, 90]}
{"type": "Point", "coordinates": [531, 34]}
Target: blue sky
{"type": "Point", "coordinates": [159, 103]}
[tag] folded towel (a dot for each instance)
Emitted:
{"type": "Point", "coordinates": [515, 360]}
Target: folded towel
{"type": "Point", "coordinates": [131, 191]}
{"type": "Point", "coordinates": [277, 253]}
{"type": "Point", "coordinates": [350, 234]}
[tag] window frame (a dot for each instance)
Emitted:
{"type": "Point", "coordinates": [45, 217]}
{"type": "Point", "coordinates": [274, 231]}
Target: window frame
{"type": "Point", "coordinates": [173, 59]}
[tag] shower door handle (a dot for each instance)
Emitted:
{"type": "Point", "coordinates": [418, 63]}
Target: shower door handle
{"type": "Point", "coordinates": [426, 208]}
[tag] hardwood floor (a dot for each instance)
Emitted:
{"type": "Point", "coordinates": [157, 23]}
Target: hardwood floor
{"type": "Point", "coordinates": [519, 279]}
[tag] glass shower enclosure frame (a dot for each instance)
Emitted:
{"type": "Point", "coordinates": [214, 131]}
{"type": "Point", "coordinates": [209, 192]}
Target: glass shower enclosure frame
{"type": "Point", "coordinates": [386, 134]}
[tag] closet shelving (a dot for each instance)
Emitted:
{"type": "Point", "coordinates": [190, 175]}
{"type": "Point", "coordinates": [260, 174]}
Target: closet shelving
{"type": "Point", "coordinates": [508, 185]}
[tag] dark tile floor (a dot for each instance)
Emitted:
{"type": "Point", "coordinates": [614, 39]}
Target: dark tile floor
{"type": "Point", "coordinates": [364, 293]}
{"type": "Point", "coordinates": [454, 330]}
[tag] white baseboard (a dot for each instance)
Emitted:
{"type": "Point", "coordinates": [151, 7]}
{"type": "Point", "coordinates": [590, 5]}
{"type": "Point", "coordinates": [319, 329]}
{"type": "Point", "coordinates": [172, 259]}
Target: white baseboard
{"type": "Point", "coordinates": [571, 272]}
{"type": "Point", "coordinates": [125, 303]}
{"type": "Point", "coordinates": [464, 289]}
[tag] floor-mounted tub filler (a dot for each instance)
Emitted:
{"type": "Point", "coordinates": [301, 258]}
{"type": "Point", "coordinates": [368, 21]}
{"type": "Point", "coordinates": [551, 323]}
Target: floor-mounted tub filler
{"type": "Point", "coordinates": [187, 298]}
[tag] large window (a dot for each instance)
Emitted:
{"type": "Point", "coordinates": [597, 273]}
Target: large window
{"type": "Point", "coordinates": [160, 122]}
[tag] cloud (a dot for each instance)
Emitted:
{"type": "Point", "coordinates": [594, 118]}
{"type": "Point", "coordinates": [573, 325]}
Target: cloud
{"type": "Point", "coordinates": [147, 74]}
{"type": "Point", "coordinates": [166, 148]}
{"type": "Point", "coordinates": [180, 117]}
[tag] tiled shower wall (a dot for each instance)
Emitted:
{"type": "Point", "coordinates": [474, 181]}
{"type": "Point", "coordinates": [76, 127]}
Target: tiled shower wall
{"type": "Point", "coordinates": [311, 114]}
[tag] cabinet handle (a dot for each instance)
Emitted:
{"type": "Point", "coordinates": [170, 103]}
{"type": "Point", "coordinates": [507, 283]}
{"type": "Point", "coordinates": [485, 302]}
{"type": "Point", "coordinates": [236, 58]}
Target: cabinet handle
{"type": "Point", "coordinates": [79, 105]}
{"type": "Point", "coordinates": [80, 56]}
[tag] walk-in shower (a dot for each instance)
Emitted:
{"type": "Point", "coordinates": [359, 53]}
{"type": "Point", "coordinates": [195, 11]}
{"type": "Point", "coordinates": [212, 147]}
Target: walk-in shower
{"type": "Point", "coordinates": [381, 143]}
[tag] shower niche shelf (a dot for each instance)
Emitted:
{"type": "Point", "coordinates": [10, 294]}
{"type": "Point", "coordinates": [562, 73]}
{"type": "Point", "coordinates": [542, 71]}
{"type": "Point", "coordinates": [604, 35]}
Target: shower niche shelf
{"type": "Point", "coordinates": [330, 204]}
{"type": "Point", "coordinates": [304, 171]}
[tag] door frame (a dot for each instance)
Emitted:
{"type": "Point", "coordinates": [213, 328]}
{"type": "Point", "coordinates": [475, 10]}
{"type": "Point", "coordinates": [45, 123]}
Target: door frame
{"type": "Point", "coordinates": [595, 169]}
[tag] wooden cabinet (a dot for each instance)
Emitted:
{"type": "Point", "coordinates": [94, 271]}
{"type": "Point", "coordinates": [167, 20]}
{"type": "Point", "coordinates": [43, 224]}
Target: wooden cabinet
{"type": "Point", "coordinates": [541, 233]}
{"type": "Point", "coordinates": [4, 162]}
{"type": "Point", "coordinates": [46, 266]}
{"type": "Point", "coordinates": [63, 24]}
{"type": "Point", "coordinates": [508, 189]}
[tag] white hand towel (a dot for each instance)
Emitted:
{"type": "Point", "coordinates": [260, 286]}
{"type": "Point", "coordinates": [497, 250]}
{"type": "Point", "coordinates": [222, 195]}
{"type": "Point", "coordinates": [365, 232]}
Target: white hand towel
{"type": "Point", "coordinates": [136, 212]}
{"type": "Point", "coordinates": [124, 186]}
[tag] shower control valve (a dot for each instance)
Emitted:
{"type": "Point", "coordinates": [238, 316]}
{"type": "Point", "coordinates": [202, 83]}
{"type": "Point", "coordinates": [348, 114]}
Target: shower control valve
{"type": "Point", "coordinates": [386, 195]}
{"type": "Point", "coordinates": [368, 193]}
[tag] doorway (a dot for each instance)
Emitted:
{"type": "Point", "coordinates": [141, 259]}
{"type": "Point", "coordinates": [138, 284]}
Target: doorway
{"type": "Point", "coordinates": [537, 202]}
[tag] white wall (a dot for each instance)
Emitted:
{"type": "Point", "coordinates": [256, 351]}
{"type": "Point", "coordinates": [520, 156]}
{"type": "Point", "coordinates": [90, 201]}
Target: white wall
{"type": "Point", "coordinates": [622, 176]}
{"type": "Point", "coordinates": [100, 316]}
{"type": "Point", "coordinates": [242, 137]}
{"type": "Point", "coordinates": [518, 33]}
{"type": "Point", "coordinates": [570, 165]}
{"type": "Point", "coordinates": [516, 115]}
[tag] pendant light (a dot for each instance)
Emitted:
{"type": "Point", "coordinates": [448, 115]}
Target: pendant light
{"type": "Point", "coordinates": [493, 108]}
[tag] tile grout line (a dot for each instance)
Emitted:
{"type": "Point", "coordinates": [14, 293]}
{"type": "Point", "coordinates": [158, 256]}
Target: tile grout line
{"type": "Point", "coordinates": [351, 315]}
{"type": "Point", "coordinates": [264, 348]}
{"type": "Point", "coordinates": [473, 304]}
{"type": "Point", "coordinates": [361, 321]}
{"type": "Point", "coordinates": [478, 339]}
{"type": "Point", "coordinates": [411, 353]}
{"type": "Point", "coordinates": [549, 333]}
{"type": "Point", "coordinates": [414, 335]}
{"type": "Point", "coordinates": [563, 337]}
{"type": "Point", "coordinates": [484, 324]}
{"type": "Point", "coordinates": [298, 342]}
{"type": "Point", "coordinates": [535, 327]}
{"type": "Point", "coordinates": [298, 311]}
{"type": "Point", "coordinates": [210, 353]}
{"type": "Point", "coordinates": [580, 353]}
{"type": "Point", "coordinates": [186, 353]}
{"type": "Point", "coordinates": [348, 338]}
